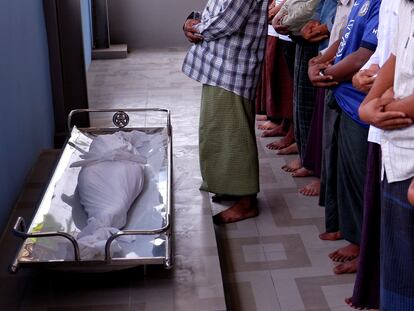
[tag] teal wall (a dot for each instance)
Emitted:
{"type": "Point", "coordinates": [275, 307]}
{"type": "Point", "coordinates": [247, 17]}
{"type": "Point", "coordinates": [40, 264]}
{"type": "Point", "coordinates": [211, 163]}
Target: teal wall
{"type": "Point", "coordinates": [87, 30]}
{"type": "Point", "coordinates": [26, 111]}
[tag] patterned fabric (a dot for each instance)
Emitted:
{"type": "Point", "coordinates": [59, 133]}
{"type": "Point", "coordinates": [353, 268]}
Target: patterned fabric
{"type": "Point", "coordinates": [352, 157]}
{"type": "Point", "coordinates": [231, 53]}
{"type": "Point", "coordinates": [228, 151]}
{"type": "Point", "coordinates": [312, 159]}
{"type": "Point", "coordinates": [397, 248]}
{"type": "Point", "coordinates": [275, 90]}
{"type": "Point", "coordinates": [367, 284]}
{"type": "Point", "coordinates": [296, 13]}
{"type": "Point", "coordinates": [329, 197]}
{"type": "Point", "coordinates": [304, 95]}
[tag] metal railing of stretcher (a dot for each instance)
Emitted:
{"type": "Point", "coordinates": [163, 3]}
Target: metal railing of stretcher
{"type": "Point", "coordinates": [121, 120]}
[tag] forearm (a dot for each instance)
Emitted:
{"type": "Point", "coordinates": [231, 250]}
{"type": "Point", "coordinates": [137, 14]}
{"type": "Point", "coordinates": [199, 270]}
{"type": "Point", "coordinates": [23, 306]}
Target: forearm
{"type": "Point", "coordinates": [405, 105]}
{"type": "Point", "coordinates": [345, 69]}
{"type": "Point", "coordinates": [330, 53]}
{"type": "Point", "coordinates": [384, 80]}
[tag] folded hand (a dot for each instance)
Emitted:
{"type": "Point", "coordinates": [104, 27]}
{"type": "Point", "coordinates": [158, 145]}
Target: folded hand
{"type": "Point", "coordinates": [191, 32]}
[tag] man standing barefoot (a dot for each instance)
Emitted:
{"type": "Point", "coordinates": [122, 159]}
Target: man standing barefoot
{"type": "Point", "coordinates": [229, 40]}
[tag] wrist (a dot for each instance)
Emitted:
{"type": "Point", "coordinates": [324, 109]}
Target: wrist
{"type": "Point", "coordinates": [194, 15]}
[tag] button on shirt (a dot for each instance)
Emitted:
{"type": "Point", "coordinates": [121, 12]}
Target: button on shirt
{"type": "Point", "coordinates": [361, 31]}
{"type": "Point", "coordinates": [231, 53]}
{"type": "Point", "coordinates": [388, 22]}
{"type": "Point", "coordinates": [398, 145]}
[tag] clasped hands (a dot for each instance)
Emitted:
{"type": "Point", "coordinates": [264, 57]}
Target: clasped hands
{"type": "Point", "coordinates": [364, 79]}
{"type": "Point", "coordinates": [376, 113]}
{"type": "Point", "coordinates": [281, 29]}
{"type": "Point", "coordinates": [316, 73]}
{"type": "Point", "coordinates": [191, 32]}
{"type": "Point", "coordinates": [314, 31]}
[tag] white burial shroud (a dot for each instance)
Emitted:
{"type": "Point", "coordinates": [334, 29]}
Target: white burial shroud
{"type": "Point", "coordinates": [110, 180]}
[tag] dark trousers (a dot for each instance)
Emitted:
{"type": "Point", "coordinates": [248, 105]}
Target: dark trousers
{"type": "Point", "coordinates": [397, 248]}
{"type": "Point", "coordinates": [329, 197]}
{"type": "Point", "coordinates": [351, 168]}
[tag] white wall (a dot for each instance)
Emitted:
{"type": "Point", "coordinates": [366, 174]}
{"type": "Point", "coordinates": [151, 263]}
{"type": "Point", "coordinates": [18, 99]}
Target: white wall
{"type": "Point", "coordinates": [150, 23]}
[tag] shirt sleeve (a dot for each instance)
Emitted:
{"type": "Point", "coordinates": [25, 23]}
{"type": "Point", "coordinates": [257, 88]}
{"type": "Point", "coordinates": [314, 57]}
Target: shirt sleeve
{"type": "Point", "coordinates": [299, 14]}
{"type": "Point", "coordinates": [370, 37]}
{"type": "Point", "coordinates": [317, 15]}
{"type": "Point", "coordinates": [374, 59]}
{"type": "Point", "coordinates": [394, 45]}
{"type": "Point", "coordinates": [232, 15]}
{"type": "Point", "coordinates": [328, 13]}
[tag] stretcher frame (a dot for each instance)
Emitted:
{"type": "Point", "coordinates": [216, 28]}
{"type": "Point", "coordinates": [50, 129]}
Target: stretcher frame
{"type": "Point", "coordinates": [120, 120]}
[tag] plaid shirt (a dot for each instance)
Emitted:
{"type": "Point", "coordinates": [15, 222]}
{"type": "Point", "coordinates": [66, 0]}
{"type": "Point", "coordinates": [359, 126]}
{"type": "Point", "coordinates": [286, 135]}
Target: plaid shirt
{"type": "Point", "coordinates": [231, 53]}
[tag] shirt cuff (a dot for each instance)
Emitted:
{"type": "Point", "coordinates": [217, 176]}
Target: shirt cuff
{"type": "Point", "coordinates": [369, 45]}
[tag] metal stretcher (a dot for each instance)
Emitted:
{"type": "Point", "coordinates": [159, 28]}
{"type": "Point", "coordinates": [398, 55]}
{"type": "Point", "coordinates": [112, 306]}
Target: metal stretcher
{"type": "Point", "coordinates": [50, 239]}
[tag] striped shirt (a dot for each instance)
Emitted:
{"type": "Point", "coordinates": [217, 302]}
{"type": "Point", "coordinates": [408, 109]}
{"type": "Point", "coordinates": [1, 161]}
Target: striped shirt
{"type": "Point", "coordinates": [231, 53]}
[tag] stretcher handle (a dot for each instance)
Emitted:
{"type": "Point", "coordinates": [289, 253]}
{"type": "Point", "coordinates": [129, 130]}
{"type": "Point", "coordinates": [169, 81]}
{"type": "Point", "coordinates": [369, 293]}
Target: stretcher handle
{"type": "Point", "coordinates": [108, 244]}
{"type": "Point", "coordinates": [20, 231]}
{"type": "Point", "coordinates": [122, 110]}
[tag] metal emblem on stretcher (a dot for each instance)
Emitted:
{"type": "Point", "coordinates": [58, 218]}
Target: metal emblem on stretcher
{"type": "Point", "coordinates": [120, 119]}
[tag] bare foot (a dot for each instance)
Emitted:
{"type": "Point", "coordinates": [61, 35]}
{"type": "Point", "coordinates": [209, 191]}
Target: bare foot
{"type": "Point", "coordinates": [348, 301]}
{"type": "Point", "coordinates": [411, 193]}
{"type": "Point", "coordinates": [346, 253]}
{"type": "Point", "coordinates": [261, 117]}
{"type": "Point", "coordinates": [285, 142]}
{"type": "Point", "coordinates": [224, 197]}
{"type": "Point", "coordinates": [331, 236]}
{"type": "Point", "coordinates": [245, 208]}
{"type": "Point", "coordinates": [312, 189]}
{"type": "Point", "coordinates": [292, 166]}
{"type": "Point", "coordinates": [268, 125]}
{"type": "Point", "coordinates": [347, 267]}
{"type": "Point", "coordinates": [291, 149]}
{"type": "Point", "coordinates": [302, 172]}
{"type": "Point", "coordinates": [277, 131]}
{"type": "Point", "coordinates": [276, 145]}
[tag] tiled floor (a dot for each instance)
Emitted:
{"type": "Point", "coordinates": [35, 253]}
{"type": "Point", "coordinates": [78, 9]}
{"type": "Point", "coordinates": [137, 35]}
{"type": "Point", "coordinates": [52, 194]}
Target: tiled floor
{"type": "Point", "coordinates": [274, 262]}
{"type": "Point", "coordinates": [144, 79]}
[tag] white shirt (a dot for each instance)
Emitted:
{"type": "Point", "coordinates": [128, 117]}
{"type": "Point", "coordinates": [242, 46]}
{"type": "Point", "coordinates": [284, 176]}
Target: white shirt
{"type": "Point", "coordinates": [398, 145]}
{"type": "Point", "coordinates": [341, 20]}
{"type": "Point", "coordinates": [388, 22]}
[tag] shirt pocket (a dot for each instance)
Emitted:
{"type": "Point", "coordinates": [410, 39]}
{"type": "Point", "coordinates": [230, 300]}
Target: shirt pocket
{"type": "Point", "coordinates": [408, 50]}
{"type": "Point", "coordinates": [407, 69]}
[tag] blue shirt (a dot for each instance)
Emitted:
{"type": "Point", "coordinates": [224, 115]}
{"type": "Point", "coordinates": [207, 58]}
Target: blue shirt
{"type": "Point", "coordinates": [325, 13]}
{"type": "Point", "coordinates": [361, 31]}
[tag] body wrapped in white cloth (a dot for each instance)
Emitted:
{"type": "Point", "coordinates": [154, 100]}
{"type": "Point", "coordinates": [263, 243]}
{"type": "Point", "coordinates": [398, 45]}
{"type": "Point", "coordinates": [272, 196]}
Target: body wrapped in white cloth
{"type": "Point", "coordinates": [111, 178]}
